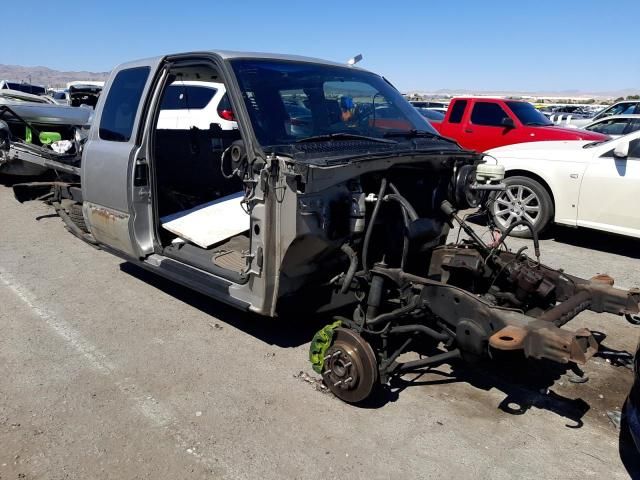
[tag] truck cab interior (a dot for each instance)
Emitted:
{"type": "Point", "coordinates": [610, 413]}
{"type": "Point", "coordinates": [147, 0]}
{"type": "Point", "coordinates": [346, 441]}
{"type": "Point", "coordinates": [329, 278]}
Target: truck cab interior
{"type": "Point", "coordinates": [199, 220]}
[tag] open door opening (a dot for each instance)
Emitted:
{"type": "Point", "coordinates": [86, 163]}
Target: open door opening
{"type": "Point", "coordinates": [200, 218]}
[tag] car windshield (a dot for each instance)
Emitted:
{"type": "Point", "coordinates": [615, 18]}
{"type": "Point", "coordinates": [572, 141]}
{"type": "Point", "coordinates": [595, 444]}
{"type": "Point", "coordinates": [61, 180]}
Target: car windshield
{"type": "Point", "coordinates": [293, 102]}
{"type": "Point", "coordinates": [618, 109]}
{"type": "Point", "coordinates": [527, 114]}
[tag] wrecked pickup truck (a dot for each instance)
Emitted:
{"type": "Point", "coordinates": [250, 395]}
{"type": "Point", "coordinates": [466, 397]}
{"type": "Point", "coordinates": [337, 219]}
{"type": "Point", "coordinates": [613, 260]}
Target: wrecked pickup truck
{"type": "Point", "coordinates": [35, 138]}
{"type": "Point", "coordinates": [333, 197]}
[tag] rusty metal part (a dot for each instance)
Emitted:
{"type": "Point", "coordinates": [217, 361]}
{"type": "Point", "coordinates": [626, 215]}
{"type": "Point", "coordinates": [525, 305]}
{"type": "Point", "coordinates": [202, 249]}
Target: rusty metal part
{"type": "Point", "coordinates": [603, 278]}
{"type": "Point", "coordinates": [541, 339]}
{"type": "Point", "coordinates": [350, 367]}
{"type": "Point", "coordinates": [477, 320]}
{"type": "Point", "coordinates": [509, 338]}
{"type": "Point", "coordinates": [605, 298]}
{"type": "Point", "coordinates": [565, 311]}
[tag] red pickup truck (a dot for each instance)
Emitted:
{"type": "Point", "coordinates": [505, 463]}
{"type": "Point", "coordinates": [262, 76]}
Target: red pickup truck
{"type": "Point", "coordinates": [484, 123]}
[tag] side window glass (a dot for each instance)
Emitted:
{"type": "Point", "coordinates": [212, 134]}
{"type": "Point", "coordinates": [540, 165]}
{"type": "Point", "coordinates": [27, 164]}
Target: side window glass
{"type": "Point", "coordinates": [457, 111]}
{"type": "Point", "coordinates": [611, 127]}
{"type": "Point", "coordinates": [634, 125]}
{"type": "Point", "coordinates": [121, 106]}
{"type": "Point", "coordinates": [488, 114]}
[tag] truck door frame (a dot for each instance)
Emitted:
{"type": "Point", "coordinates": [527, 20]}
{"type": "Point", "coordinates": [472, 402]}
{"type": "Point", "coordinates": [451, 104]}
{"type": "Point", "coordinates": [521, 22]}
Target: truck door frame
{"type": "Point", "coordinates": [111, 193]}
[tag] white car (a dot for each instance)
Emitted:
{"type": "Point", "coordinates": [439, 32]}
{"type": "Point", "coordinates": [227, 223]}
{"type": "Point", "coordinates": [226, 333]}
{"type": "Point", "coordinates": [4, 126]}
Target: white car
{"type": "Point", "coordinates": [615, 125]}
{"type": "Point", "coordinates": [575, 182]}
{"type": "Point", "coordinates": [188, 104]}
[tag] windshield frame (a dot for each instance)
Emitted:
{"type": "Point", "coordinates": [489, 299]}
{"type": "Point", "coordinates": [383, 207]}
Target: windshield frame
{"type": "Point", "coordinates": [285, 70]}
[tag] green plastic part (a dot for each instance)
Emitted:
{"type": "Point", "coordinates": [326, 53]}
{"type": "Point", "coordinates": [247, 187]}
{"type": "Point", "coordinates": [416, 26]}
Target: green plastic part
{"type": "Point", "coordinates": [47, 138]}
{"type": "Point", "coordinates": [320, 344]}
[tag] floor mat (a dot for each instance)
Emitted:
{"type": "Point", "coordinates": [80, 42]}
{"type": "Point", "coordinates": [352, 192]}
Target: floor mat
{"type": "Point", "coordinates": [231, 260]}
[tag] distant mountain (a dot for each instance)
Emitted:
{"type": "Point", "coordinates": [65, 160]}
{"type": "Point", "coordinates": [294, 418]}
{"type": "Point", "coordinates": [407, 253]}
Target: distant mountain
{"type": "Point", "coordinates": [46, 76]}
{"type": "Point", "coordinates": [542, 94]}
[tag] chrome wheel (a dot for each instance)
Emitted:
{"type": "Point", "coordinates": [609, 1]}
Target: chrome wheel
{"type": "Point", "coordinates": [517, 202]}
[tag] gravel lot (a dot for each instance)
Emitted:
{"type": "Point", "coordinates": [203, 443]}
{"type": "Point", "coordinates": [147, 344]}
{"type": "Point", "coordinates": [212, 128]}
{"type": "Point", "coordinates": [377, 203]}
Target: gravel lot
{"type": "Point", "coordinates": [107, 371]}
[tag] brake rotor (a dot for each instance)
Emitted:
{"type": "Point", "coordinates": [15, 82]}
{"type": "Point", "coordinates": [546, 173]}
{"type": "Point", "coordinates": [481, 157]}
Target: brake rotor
{"type": "Point", "coordinates": [350, 368]}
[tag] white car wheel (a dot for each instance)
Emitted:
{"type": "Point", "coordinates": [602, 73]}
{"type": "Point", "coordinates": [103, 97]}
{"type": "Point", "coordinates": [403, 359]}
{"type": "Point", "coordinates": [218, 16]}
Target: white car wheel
{"type": "Point", "coordinates": [523, 199]}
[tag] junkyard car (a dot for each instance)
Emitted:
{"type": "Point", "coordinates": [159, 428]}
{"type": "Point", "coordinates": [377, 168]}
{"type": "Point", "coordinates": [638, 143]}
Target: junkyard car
{"type": "Point", "coordinates": [481, 123]}
{"type": "Point", "coordinates": [575, 183]}
{"type": "Point", "coordinates": [345, 216]}
{"type": "Point", "coordinates": [8, 97]}
{"type": "Point", "coordinates": [30, 134]}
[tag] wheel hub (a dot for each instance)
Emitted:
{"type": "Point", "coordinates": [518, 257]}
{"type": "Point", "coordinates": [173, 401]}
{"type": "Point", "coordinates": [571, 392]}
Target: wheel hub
{"type": "Point", "coordinates": [350, 368]}
{"type": "Point", "coordinates": [517, 202]}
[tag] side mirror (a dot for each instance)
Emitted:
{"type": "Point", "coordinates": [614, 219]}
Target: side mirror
{"type": "Point", "coordinates": [508, 122]}
{"type": "Point", "coordinates": [622, 150]}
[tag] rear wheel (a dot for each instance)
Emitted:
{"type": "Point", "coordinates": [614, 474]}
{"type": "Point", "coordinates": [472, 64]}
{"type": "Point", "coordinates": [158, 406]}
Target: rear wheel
{"type": "Point", "coordinates": [523, 199]}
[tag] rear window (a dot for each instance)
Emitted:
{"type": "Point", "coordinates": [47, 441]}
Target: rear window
{"type": "Point", "coordinates": [186, 97]}
{"type": "Point", "coordinates": [457, 111]}
{"type": "Point", "coordinates": [488, 113]}
{"type": "Point", "coordinates": [121, 106]}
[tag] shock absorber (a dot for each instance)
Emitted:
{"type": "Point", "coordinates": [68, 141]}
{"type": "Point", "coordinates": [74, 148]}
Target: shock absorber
{"type": "Point", "coordinates": [374, 299]}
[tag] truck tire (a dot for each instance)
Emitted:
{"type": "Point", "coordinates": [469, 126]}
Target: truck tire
{"type": "Point", "coordinates": [75, 214]}
{"type": "Point", "coordinates": [524, 198]}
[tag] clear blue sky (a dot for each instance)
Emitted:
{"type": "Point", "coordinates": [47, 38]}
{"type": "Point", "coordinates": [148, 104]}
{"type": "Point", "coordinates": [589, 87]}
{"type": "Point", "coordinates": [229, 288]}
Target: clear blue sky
{"type": "Point", "coordinates": [537, 45]}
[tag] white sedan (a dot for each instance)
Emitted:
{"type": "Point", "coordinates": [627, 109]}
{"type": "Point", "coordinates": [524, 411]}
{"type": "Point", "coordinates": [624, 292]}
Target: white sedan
{"type": "Point", "coordinates": [576, 183]}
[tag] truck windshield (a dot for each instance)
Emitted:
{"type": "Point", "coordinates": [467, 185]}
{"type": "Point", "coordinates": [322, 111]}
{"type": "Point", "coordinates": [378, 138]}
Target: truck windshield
{"type": "Point", "coordinates": [292, 102]}
{"type": "Point", "coordinates": [527, 114]}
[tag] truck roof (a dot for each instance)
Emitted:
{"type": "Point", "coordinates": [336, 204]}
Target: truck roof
{"type": "Point", "coordinates": [230, 54]}
{"type": "Point", "coordinates": [490, 99]}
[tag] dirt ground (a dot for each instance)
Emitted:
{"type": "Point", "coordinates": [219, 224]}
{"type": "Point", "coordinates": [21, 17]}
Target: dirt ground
{"type": "Point", "coordinates": [107, 371]}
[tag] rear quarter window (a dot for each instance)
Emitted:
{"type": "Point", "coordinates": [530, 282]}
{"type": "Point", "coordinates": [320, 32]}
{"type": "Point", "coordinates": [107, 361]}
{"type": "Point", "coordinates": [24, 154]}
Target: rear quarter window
{"type": "Point", "coordinates": [121, 105]}
{"type": "Point", "coordinates": [457, 111]}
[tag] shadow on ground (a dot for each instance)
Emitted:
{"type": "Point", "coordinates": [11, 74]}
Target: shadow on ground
{"type": "Point", "coordinates": [586, 238]}
{"type": "Point", "coordinates": [284, 332]}
{"type": "Point", "coordinates": [596, 240]}
{"type": "Point", "coordinates": [525, 384]}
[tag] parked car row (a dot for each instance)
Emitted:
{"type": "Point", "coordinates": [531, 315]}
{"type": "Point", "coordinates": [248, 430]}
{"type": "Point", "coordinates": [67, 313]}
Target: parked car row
{"type": "Point", "coordinates": [625, 107]}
